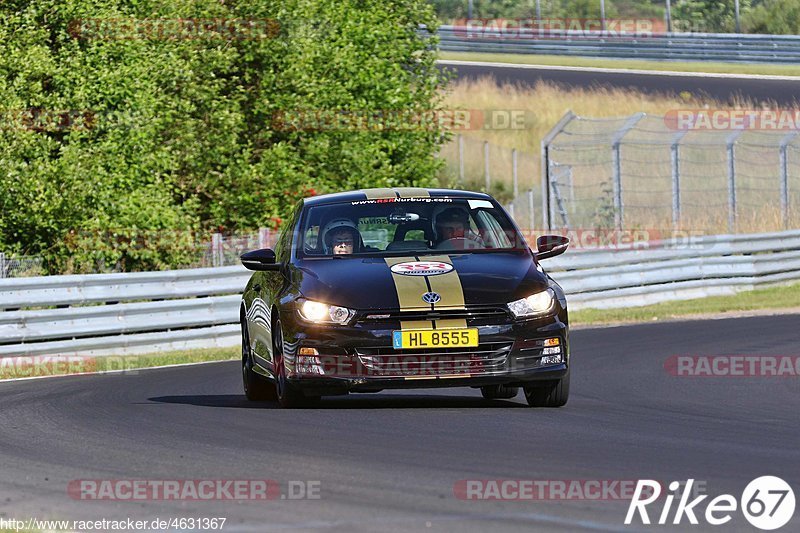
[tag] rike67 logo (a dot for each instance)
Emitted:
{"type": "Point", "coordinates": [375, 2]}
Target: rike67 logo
{"type": "Point", "coordinates": [767, 503]}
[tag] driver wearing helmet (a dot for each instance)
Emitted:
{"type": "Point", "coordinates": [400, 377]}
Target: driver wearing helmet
{"type": "Point", "coordinates": [453, 223]}
{"type": "Point", "coordinates": [341, 237]}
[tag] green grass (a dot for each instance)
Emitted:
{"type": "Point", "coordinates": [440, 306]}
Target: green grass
{"type": "Point", "coordinates": [772, 298]}
{"type": "Point", "coordinates": [680, 66]}
{"type": "Point", "coordinates": [63, 365]}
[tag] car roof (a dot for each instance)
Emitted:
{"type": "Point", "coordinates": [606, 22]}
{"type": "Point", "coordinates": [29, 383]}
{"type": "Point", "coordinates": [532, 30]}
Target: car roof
{"type": "Point", "coordinates": [395, 192]}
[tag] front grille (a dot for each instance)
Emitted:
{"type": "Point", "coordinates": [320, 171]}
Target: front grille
{"type": "Point", "coordinates": [386, 361]}
{"type": "Point", "coordinates": [489, 314]}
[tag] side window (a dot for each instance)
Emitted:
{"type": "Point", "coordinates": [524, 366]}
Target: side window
{"type": "Point", "coordinates": [492, 231]}
{"type": "Point", "coordinates": [415, 235]}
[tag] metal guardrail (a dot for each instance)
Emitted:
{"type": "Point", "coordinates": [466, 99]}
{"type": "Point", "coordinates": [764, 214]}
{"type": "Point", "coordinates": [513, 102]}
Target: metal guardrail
{"type": "Point", "coordinates": [679, 46]}
{"type": "Point", "coordinates": [103, 314]}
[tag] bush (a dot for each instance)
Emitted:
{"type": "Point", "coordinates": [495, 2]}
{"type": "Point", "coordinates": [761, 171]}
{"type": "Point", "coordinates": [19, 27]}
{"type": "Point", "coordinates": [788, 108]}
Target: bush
{"type": "Point", "coordinates": [170, 134]}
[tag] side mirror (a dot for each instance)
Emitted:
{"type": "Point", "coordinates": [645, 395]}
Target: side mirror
{"type": "Point", "coordinates": [550, 246]}
{"type": "Point", "coordinates": [260, 260]}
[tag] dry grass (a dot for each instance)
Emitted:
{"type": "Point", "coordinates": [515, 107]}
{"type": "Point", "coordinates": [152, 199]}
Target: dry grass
{"type": "Point", "coordinates": [646, 168]}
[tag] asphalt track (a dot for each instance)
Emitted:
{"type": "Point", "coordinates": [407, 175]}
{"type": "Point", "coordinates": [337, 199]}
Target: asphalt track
{"type": "Point", "coordinates": [389, 461]}
{"type": "Point", "coordinates": [725, 88]}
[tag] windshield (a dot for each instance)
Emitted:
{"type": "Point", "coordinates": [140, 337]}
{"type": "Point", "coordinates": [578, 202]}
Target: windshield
{"type": "Point", "coordinates": [413, 226]}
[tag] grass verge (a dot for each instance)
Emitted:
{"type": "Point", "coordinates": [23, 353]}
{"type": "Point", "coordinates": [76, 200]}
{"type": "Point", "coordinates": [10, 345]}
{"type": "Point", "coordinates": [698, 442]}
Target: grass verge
{"type": "Point", "coordinates": [632, 64]}
{"type": "Point", "coordinates": [56, 365]}
{"type": "Point", "coordinates": [784, 297]}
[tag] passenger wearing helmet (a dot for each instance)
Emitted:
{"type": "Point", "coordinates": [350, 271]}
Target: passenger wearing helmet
{"type": "Point", "coordinates": [341, 237]}
{"type": "Point", "coordinates": [453, 223]}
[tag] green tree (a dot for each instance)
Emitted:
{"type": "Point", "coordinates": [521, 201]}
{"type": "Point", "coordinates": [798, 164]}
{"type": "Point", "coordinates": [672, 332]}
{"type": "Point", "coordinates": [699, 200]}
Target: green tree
{"type": "Point", "coordinates": [146, 139]}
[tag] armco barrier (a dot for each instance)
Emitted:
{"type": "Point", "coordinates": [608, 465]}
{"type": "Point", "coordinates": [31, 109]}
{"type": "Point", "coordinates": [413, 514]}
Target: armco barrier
{"type": "Point", "coordinates": [198, 308]}
{"type": "Point", "coordinates": [675, 46]}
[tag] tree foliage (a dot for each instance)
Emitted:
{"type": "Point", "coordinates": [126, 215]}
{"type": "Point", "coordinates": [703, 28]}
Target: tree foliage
{"type": "Point", "coordinates": [127, 136]}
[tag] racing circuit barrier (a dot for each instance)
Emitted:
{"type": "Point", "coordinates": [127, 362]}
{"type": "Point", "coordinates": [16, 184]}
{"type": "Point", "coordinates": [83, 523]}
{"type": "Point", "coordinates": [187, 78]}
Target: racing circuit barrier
{"type": "Point", "coordinates": [144, 312]}
{"type": "Point", "coordinates": [674, 46]}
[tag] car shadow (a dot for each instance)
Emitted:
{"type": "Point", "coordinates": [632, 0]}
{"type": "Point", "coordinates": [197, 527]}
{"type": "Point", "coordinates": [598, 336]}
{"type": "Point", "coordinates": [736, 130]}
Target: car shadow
{"type": "Point", "coordinates": [383, 401]}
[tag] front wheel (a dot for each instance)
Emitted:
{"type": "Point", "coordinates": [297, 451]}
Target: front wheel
{"type": "Point", "coordinates": [256, 387]}
{"type": "Point", "coordinates": [548, 393]}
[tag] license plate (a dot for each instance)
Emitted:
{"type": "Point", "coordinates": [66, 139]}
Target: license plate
{"type": "Point", "coordinates": [435, 338]}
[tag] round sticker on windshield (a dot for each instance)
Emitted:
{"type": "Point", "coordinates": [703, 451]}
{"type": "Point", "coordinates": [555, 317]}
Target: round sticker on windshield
{"type": "Point", "coordinates": [422, 268]}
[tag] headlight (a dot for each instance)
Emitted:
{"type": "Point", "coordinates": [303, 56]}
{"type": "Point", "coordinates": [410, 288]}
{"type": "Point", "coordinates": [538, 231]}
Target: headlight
{"type": "Point", "coordinates": [324, 313]}
{"type": "Point", "coordinates": [535, 304]}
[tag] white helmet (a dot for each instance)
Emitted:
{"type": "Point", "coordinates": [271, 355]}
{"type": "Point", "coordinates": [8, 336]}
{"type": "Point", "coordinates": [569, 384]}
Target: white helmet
{"type": "Point", "coordinates": [335, 224]}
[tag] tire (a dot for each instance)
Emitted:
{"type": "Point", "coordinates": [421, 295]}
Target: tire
{"type": "Point", "coordinates": [257, 388]}
{"type": "Point", "coordinates": [288, 396]}
{"type": "Point", "coordinates": [499, 392]}
{"type": "Point", "coordinates": [548, 393]}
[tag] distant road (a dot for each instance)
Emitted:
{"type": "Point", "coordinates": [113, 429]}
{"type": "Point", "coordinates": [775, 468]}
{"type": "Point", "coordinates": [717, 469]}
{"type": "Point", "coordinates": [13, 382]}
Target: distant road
{"type": "Point", "coordinates": [784, 90]}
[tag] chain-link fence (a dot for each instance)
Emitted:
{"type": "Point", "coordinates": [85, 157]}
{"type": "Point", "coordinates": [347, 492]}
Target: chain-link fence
{"type": "Point", "coordinates": [641, 171]}
{"type": "Point", "coordinates": [17, 267]}
{"type": "Point", "coordinates": [511, 176]}
{"type": "Point", "coordinates": [646, 171]}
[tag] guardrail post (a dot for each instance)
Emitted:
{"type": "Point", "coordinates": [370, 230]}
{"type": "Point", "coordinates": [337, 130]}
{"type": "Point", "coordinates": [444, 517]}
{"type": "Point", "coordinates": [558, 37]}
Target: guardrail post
{"type": "Point", "coordinates": [616, 170]}
{"type": "Point", "coordinates": [460, 158]}
{"type": "Point", "coordinates": [785, 177]}
{"type": "Point", "coordinates": [545, 164]}
{"type": "Point", "coordinates": [731, 143]}
{"type": "Point", "coordinates": [486, 166]}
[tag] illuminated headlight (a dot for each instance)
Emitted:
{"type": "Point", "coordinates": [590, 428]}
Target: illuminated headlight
{"type": "Point", "coordinates": [535, 304]}
{"type": "Point", "coordinates": [324, 313]}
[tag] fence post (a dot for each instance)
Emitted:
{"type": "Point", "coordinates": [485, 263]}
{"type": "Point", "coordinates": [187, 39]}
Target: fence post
{"type": "Point", "coordinates": [216, 249]}
{"type": "Point", "coordinates": [676, 178]}
{"type": "Point", "coordinates": [460, 159]}
{"type": "Point", "coordinates": [263, 238]}
{"type": "Point", "coordinates": [784, 156]}
{"type": "Point", "coordinates": [486, 166]}
{"type": "Point", "coordinates": [531, 212]}
{"type": "Point", "coordinates": [2, 265]}
{"type": "Point", "coordinates": [619, 218]}
{"type": "Point", "coordinates": [730, 143]}
{"type": "Point", "coordinates": [514, 172]}
{"type": "Point", "coordinates": [545, 164]}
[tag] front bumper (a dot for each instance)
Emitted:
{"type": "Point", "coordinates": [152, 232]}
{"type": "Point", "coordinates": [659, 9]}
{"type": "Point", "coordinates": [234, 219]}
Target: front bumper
{"type": "Point", "coordinates": [360, 358]}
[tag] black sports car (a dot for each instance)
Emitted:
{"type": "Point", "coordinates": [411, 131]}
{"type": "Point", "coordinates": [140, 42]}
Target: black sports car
{"type": "Point", "coordinates": [403, 288]}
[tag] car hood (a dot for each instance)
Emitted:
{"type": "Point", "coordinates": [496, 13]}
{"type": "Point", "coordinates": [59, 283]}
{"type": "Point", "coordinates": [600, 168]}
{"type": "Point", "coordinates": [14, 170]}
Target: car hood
{"type": "Point", "coordinates": [368, 283]}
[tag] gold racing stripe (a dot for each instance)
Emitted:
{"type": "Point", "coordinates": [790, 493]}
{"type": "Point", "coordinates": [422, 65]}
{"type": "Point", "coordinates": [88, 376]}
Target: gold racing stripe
{"type": "Point", "coordinates": [412, 192]}
{"type": "Point", "coordinates": [418, 324]}
{"type": "Point", "coordinates": [378, 194]}
{"type": "Point", "coordinates": [451, 323]}
{"type": "Point", "coordinates": [447, 285]}
{"type": "Point", "coordinates": [409, 288]}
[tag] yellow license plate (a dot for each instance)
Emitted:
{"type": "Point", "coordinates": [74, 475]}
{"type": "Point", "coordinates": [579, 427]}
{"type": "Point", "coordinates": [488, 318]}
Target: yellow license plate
{"type": "Point", "coordinates": [435, 338]}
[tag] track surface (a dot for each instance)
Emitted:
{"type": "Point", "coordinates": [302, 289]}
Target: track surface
{"type": "Point", "coordinates": [783, 92]}
{"type": "Point", "coordinates": [389, 461]}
